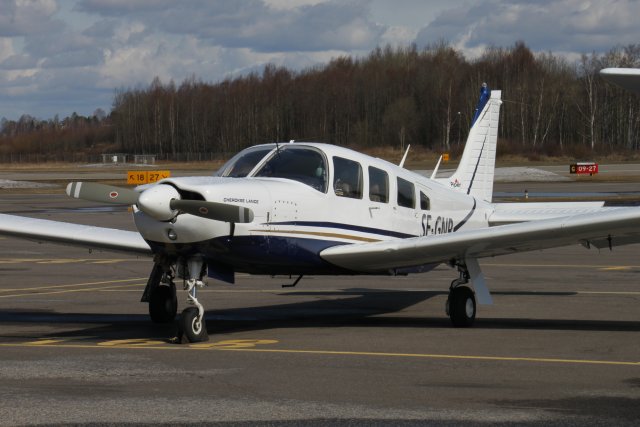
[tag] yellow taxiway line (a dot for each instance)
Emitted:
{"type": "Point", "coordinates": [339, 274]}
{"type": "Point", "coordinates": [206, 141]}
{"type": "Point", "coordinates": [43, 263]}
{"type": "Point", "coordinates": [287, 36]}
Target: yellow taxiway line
{"type": "Point", "coordinates": [595, 266]}
{"type": "Point", "coordinates": [58, 288]}
{"type": "Point", "coordinates": [250, 346]}
{"type": "Point", "coordinates": [69, 260]}
{"type": "Point", "coordinates": [440, 356]}
{"type": "Point", "coordinates": [72, 285]}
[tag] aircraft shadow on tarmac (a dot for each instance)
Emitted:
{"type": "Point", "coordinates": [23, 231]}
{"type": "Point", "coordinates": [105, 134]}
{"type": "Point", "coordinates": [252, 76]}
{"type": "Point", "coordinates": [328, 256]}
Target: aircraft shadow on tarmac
{"type": "Point", "coordinates": [350, 308]}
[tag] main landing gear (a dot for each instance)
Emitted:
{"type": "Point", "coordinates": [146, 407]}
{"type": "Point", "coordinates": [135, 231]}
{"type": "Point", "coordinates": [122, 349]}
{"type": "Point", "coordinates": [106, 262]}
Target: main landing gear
{"type": "Point", "coordinates": [160, 293]}
{"type": "Point", "coordinates": [461, 303]}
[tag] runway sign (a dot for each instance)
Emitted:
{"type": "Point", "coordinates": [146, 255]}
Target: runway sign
{"type": "Point", "coordinates": [585, 168]}
{"type": "Point", "coordinates": [146, 177]}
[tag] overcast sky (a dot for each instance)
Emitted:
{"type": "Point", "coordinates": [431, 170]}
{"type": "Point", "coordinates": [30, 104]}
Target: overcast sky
{"type": "Point", "coordinates": [60, 56]}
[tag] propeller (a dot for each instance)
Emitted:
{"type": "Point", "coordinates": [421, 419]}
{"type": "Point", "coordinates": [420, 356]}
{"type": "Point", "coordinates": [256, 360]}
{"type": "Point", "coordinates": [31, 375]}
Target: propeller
{"type": "Point", "coordinates": [102, 193]}
{"type": "Point", "coordinates": [213, 210]}
{"type": "Point", "coordinates": [161, 202]}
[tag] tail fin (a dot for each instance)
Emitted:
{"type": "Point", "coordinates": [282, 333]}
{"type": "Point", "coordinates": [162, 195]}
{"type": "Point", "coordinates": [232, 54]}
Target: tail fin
{"type": "Point", "coordinates": [475, 172]}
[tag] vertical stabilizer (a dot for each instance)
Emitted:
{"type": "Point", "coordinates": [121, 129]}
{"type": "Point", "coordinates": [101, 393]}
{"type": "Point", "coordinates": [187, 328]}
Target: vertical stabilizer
{"type": "Point", "coordinates": [475, 172]}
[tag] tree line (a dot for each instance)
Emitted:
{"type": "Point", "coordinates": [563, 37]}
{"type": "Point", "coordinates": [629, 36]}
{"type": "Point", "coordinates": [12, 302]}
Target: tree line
{"type": "Point", "coordinates": [391, 97]}
{"type": "Point", "coordinates": [75, 136]}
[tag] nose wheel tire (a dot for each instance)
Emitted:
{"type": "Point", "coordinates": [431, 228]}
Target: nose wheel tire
{"type": "Point", "coordinates": [462, 307]}
{"type": "Point", "coordinates": [192, 327]}
{"type": "Point", "coordinates": [163, 303]}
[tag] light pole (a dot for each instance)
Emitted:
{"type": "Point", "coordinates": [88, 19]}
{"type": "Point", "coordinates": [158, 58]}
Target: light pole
{"type": "Point", "coordinates": [458, 118]}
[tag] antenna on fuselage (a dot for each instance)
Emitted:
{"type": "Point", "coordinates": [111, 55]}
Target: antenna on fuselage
{"type": "Point", "coordinates": [405, 156]}
{"type": "Point", "coordinates": [435, 171]}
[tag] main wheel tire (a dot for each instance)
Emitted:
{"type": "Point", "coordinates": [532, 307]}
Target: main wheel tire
{"type": "Point", "coordinates": [462, 307]}
{"type": "Point", "coordinates": [192, 328]}
{"type": "Point", "coordinates": [163, 303]}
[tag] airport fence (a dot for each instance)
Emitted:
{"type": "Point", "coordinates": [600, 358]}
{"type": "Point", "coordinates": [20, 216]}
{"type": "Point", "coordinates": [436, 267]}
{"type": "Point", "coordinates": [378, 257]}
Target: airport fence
{"type": "Point", "coordinates": [85, 158]}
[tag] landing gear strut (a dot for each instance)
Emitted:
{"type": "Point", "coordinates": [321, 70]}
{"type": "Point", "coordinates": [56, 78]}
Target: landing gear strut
{"type": "Point", "coordinates": [191, 325]}
{"type": "Point", "coordinates": [461, 303]}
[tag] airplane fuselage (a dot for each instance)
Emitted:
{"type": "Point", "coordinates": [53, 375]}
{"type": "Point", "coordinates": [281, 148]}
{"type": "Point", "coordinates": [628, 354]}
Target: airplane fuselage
{"type": "Point", "coordinates": [298, 216]}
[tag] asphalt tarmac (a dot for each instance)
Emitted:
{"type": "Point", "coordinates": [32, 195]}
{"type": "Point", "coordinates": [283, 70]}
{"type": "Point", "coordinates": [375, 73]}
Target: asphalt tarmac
{"type": "Point", "coordinates": [560, 345]}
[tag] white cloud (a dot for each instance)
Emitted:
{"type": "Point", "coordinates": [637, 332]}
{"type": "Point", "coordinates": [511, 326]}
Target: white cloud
{"type": "Point", "coordinates": [290, 4]}
{"type": "Point", "coordinates": [549, 25]}
{"type": "Point", "coordinates": [18, 62]}
{"type": "Point", "coordinates": [6, 48]}
{"type": "Point", "coordinates": [130, 64]}
{"type": "Point", "coordinates": [124, 7]}
{"type": "Point", "coordinates": [65, 55]}
{"type": "Point", "coordinates": [23, 17]}
{"type": "Point", "coordinates": [398, 36]}
{"type": "Point", "coordinates": [266, 27]}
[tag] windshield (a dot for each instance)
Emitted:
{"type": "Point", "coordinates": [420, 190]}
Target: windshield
{"type": "Point", "coordinates": [242, 163]}
{"type": "Point", "coordinates": [303, 164]}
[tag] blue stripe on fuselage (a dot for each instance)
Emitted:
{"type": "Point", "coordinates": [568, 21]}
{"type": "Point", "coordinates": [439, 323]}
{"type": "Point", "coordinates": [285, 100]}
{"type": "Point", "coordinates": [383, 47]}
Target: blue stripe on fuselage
{"type": "Point", "coordinates": [268, 255]}
{"type": "Point", "coordinates": [261, 254]}
{"type": "Point", "coordinates": [341, 226]}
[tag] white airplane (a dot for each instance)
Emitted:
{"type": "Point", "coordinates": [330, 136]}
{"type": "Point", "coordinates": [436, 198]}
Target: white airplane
{"type": "Point", "coordinates": [317, 209]}
{"type": "Point", "coordinates": [627, 78]}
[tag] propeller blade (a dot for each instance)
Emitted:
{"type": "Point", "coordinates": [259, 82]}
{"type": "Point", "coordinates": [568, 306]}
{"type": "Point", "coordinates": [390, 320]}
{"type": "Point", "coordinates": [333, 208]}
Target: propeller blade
{"type": "Point", "coordinates": [102, 193]}
{"type": "Point", "coordinates": [213, 210]}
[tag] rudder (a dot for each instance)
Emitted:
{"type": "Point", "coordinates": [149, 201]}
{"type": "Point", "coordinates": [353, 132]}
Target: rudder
{"type": "Point", "coordinates": [475, 172]}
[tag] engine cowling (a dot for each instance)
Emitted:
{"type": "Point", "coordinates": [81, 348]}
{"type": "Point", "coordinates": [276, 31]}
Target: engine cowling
{"type": "Point", "coordinates": [155, 202]}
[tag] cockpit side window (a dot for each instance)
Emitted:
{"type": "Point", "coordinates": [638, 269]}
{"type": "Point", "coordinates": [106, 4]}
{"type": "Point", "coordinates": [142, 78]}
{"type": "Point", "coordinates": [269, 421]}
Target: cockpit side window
{"type": "Point", "coordinates": [242, 163]}
{"type": "Point", "coordinates": [303, 164]}
{"type": "Point", "coordinates": [347, 178]}
{"type": "Point", "coordinates": [378, 185]}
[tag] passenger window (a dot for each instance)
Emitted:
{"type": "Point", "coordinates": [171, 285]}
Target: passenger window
{"type": "Point", "coordinates": [406, 194]}
{"type": "Point", "coordinates": [347, 178]}
{"type": "Point", "coordinates": [425, 203]}
{"type": "Point", "coordinates": [378, 185]}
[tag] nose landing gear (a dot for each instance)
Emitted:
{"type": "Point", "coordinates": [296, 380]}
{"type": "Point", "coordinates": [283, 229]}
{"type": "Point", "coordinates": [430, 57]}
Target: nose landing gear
{"type": "Point", "coordinates": [160, 293]}
{"type": "Point", "coordinates": [192, 326]}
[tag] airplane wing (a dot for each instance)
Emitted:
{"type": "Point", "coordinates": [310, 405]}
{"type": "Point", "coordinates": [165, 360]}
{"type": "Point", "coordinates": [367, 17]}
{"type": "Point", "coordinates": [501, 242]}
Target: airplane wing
{"type": "Point", "coordinates": [615, 226]}
{"type": "Point", "coordinates": [42, 230]}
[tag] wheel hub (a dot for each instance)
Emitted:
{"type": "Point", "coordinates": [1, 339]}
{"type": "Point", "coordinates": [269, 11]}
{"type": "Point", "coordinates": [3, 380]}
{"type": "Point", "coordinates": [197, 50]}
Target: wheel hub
{"type": "Point", "coordinates": [468, 308]}
{"type": "Point", "coordinates": [196, 325]}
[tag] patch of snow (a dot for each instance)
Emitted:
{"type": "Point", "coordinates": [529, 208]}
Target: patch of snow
{"type": "Point", "coordinates": [521, 174]}
{"type": "Point", "coordinates": [8, 183]}
{"type": "Point", "coordinates": [509, 174]}
{"type": "Point", "coordinates": [116, 165]}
